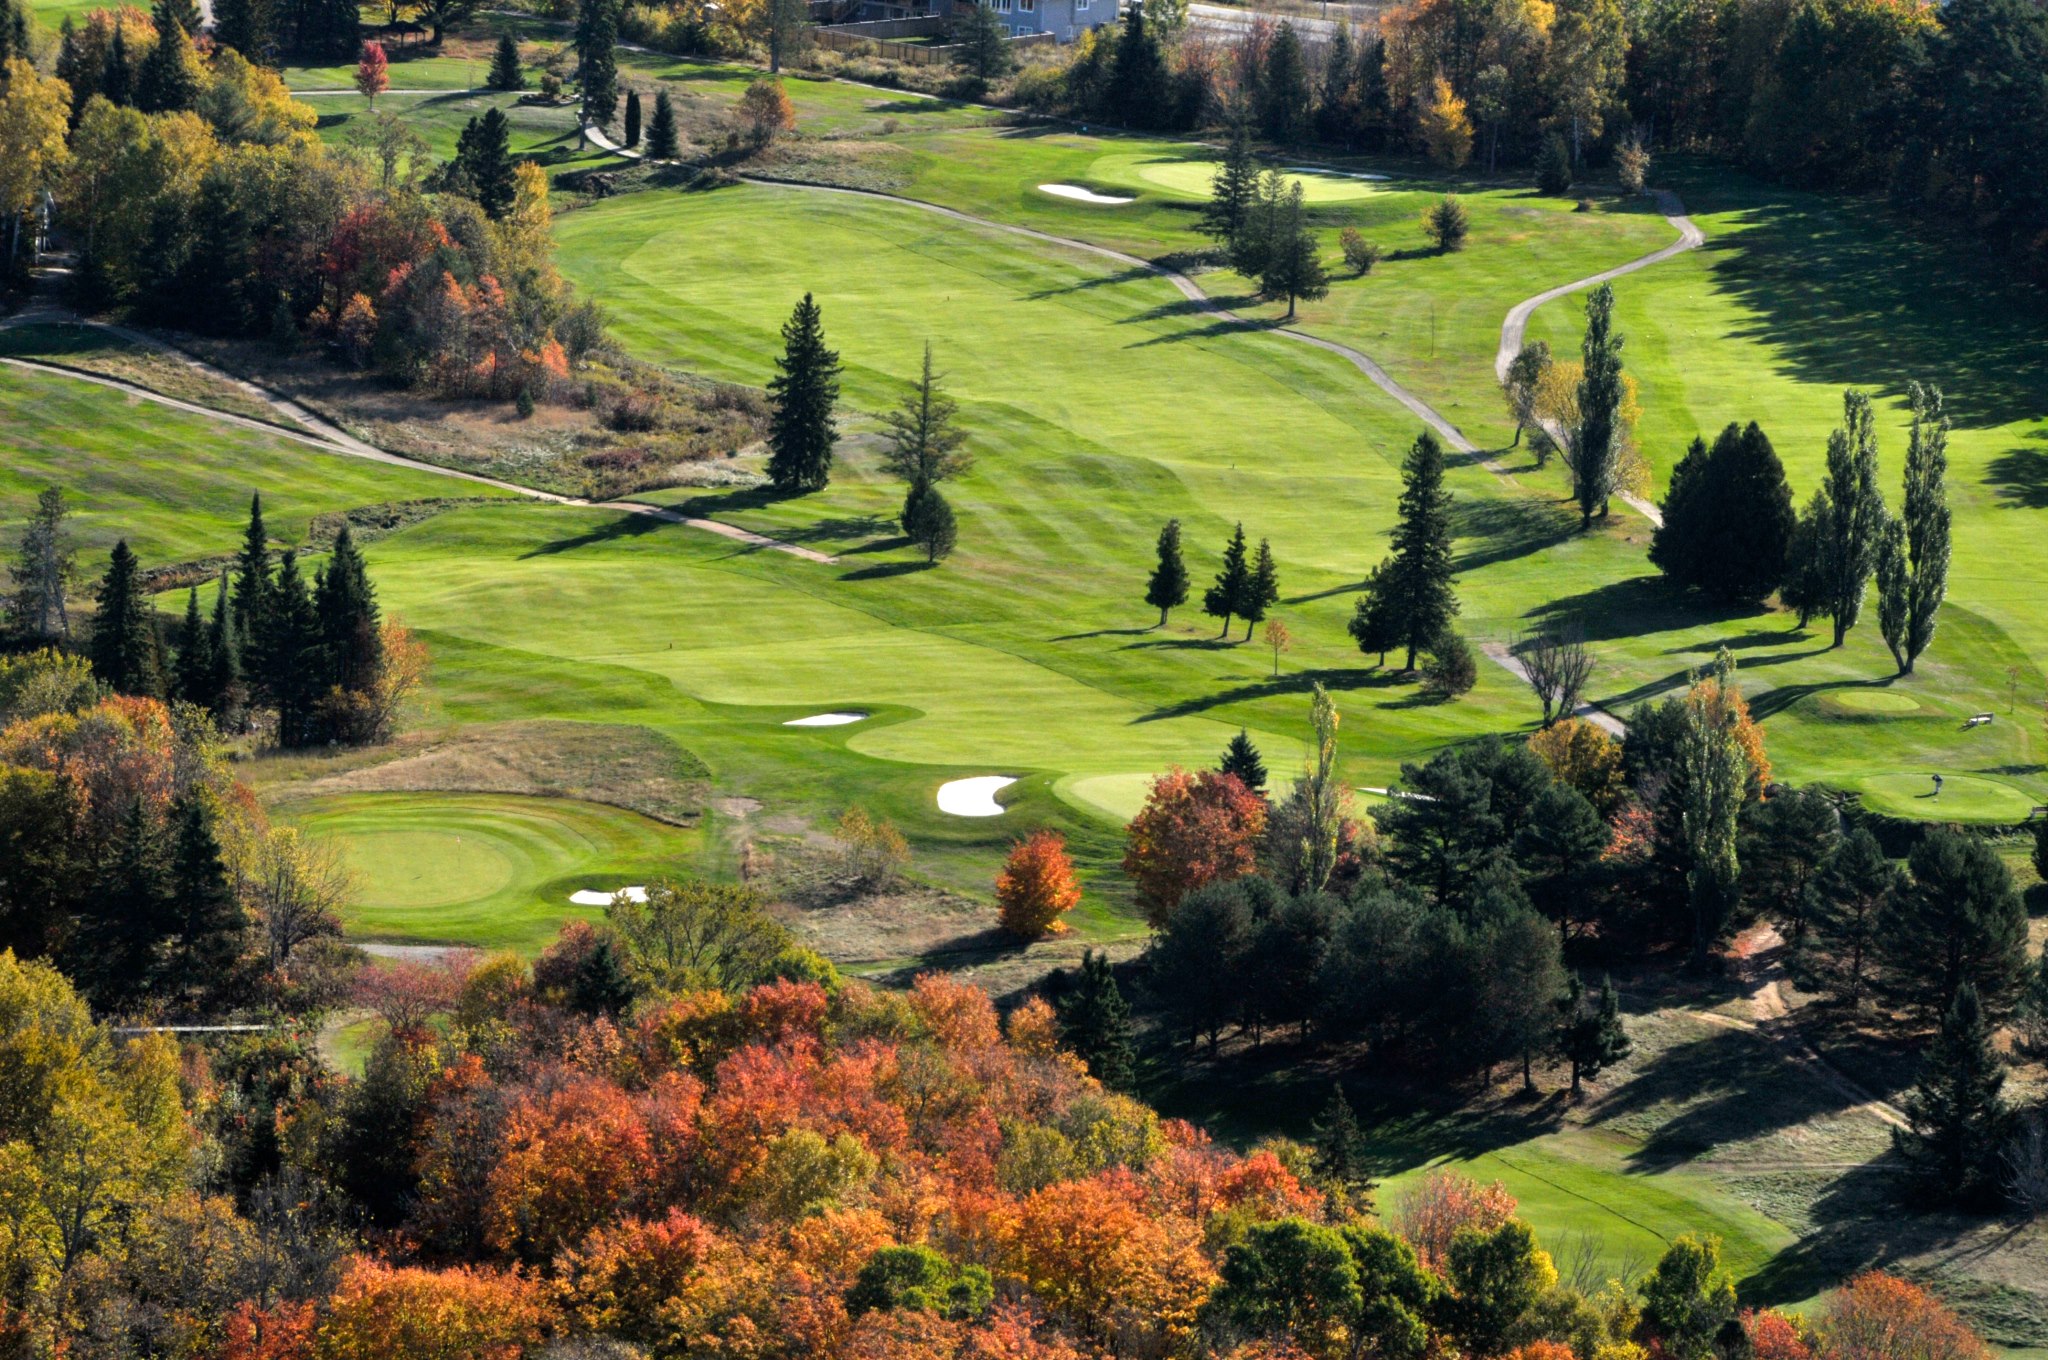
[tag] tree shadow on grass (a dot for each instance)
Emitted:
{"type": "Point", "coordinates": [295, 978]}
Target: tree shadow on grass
{"type": "Point", "coordinates": [1775, 701]}
{"type": "Point", "coordinates": [1128, 274]}
{"type": "Point", "coordinates": [881, 571]}
{"type": "Point", "coordinates": [1636, 606]}
{"type": "Point", "coordinates": [1294, 682]}
{"type": "Point", "coordinates": [1214, 331]}
{"type": "Point", "coordinates": [625, 525]}
{"type": "Point", "coordinates": [2021, 476]}
{"type": "Point", "coordinates": [1101, 632]}
{"type": "Point", "coordinates": [1507, 528]}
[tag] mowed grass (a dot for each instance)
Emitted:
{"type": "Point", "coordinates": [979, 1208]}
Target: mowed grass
{"type": "Point", "coordinates": [824, 108]}
{"type": "Point", "coordinates": [176, 485]}
{"type": "Point", "coordinates": [488, 870]}
{"type": "Point", "coordinates": [548, 134]}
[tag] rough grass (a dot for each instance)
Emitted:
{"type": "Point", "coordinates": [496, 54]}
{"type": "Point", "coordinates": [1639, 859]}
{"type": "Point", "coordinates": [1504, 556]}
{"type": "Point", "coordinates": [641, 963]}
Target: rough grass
{"type": "Point", "coordinates": [92, 350]}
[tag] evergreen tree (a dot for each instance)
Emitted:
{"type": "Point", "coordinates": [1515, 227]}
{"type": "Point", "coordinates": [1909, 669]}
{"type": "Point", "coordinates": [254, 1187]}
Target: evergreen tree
{"type": "Point", "coordinates": [1420, 600]}
{"type": "Point", "coordinates": [1958, 1112]}
{"type": "Point", "coordinates": [1960, 921]}
{"type": "Point", "coordinates": [117, 74]}
{"type": "Point", "coordinates": [252, 583]}
{"type": "Point", "coordinates": [806, 386]}
{"type": "Point", "coordinates": [506, 72]}
{"type": "Point", "coordinates": [632, 137]}
{"type": "Point", "coordinates": [124, 641]}
{"type": "Point", "coordinates": [1293, 267]}
{"type": "Point", "coordinates": [1447, 223]}
{"type": "Point", "coordinates": [1198, 959]}
{"type": "Point", "coordinates": [661, 130]}
{"type": "Point", "coordinates": [1262, 591]}
{"type": "Point", "coordinates": [1373, 625]}
{"type": "Point", "coordinates": [1095, 1022]}
{"type": "Point", "coordinates": [924, 433]}
{"type": "Point", "coordinates": [1853, 516]}
{"type": "Point", "coordinates": [1168, 587]}
{"type": "Point", "coordinates": [483, 155]}
{"type": "Point", "coordinates": [1912, 557]}
{"type": "Point", "coordinates": [1137, 76]}
{"type": "Point", "coordinates": [1241, 758]}
{"type": "Point", "coordinates": [1591, 1035]}
{"type": "Point", "coordinates": [206, 918]}
{"type": "Point", "coordinates": [168, 79]}
{"type": "Point", "coordinates": [1787, 841]}
{"type": "Point", "coordinates": [1233, 582]}
{"type": "Point", "coordinates": [597, 33]}
{"type": "Point", "coordinates": [1850, 900]}
{"type": "Point", "coordinates": [128, 915]}
{"type": "Point", "coordinates": [1285, 104]}
{"type": "Point", "coordinates": [1728, 519]}
{"type": "Point", "coordinates": [985, 48]}
{"type": "Point", "coordinates": [289, 653]}
{"type": "Point", "coordinates": [1233, 190]}
{"type": "Point", "coordinates": [42, 572]}
{"type": "Point", "coordinates": [224, 651]}
{"type": "Point", "coordinates": [194, 672]}
{"type": "Point", "coordinates": [928, 522]}
{"type": "Point", "coordinates": [1554, 167]}
{"type": "Point", "coordinates": [1596, 448]}
{"type": "Point", "coordinates": [1251, 249]}
{"type": "Point", "coordinates": [1338, 1144]}
{"type": "Point", "coordinates": [244, 25]}
{"type": "Point", "coordinates": [345, 610]}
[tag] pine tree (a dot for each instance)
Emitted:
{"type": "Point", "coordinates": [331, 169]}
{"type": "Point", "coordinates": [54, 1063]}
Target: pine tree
{"type": "Point", "coordinates": [345, 607]}
{"type": "Point", "coordinates": [1241, 758]}
{"type": "Point", "coordinates": [597, 33]}
{"type": "Point", "coordinates": [806, 386]}
{"type": "Point", "coordinates": [42, 572]}
{"type": "Point", "coordinates": [928, 522]}
{"type": "Point", "coordinates": [1958, 1112]}
{"type": "Point", "coordinates": [661, 131]}
{"type": "Point", "coordinates": [244, 25]}
{"type": "Point", "coordinates": [124, 643]}
{"type": "Point", "coordinates": [1728, 520]}
{"type": "Point", "coordinates": [924, 434]}
{"type": "Point", "coordinates": [207, 919]}
{"type": "Point", "coordinates": [483, 154]}
{"type": "Point", "coordinates": [1373, 626]}
{"type": "Point", "coordinates": [117, 74]}
{"type": "Point", "coordinates": [1854, 516]}
{"type": "Point", "coordinates": [1262, 591]}
{"type": "Point", "coordinates": [985, 48]}
{"type": "Point", "coordinates": [1851, 899]}
{"type": "Point", "coordinates": [1592, 1036]}
{"type": "Point", "coordinates": [1221, 600]}
{"type": "Point", "coordinates": [252, 584]}
{"type": "Point", "coordinates": [1293, 266]}
{"type": "Point", "coordinates": [127, 917]}
{"type": "Point", "coordinates": [1095, 1022]}
{"type": "Point", "coordinates": [1285, 90]}
{"type": "Point", "coordinates": [1554, 167]}
{"type": "Point", "coordinates": [1339, 1144]}
{"type": "Point", "coordinates": [1251, 249]}
{"type": "Point", "coordinates": [224, 650]}
{"type": "Point", "coordinates": [632, 118]}
{"type": "Point", "coordinates": [1912, 559]}
{"type": "Point", "coordinates": [289, 652]}
{"type": "Point", "coordinates": [506, 72]}
{"type": "Point", "coordinates": [1137, 76]}
{"type": "Point", "coordinates": [1233, 190]}
{"type": "Point", "coordinates": [1596, 447]}
{"type": "Point", "coordinates": [1168, 587]}
{"type": "Point", "coordinates": [1420, 600]}
{"type": "Point", "coordinates": [168, 79]}
{"type": "Point", "coordinates": [195, 655]}
{"type": "Point", "coordinates": [1961, 921]}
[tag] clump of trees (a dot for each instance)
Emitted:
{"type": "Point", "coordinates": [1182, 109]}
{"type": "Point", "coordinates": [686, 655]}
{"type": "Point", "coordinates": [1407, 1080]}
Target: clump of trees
{"type": "Point", "coordinates": [1728, 519]}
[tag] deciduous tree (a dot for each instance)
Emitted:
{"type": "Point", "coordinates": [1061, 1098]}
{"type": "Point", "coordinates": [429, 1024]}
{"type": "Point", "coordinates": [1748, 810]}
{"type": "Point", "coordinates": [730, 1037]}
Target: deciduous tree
{"type": "Point", "coordinates": [1595, 448]}
{"type": "Point", "coordinates": [1913, 553]}
{"type": "Point", "coordinates": [373, 72]}
{"type": "Point", "coordinates": [1036, 886]}
{"type": "Point", "coordinates": [1194, 829]}
{"type": "Point", "coordinates": [1852, 517]}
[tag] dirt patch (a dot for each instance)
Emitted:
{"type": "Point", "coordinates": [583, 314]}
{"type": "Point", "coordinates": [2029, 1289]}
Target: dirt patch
{"type": "Point", "coordinates": [628, 767]}
{"type": "Point", "coordinates": [885, 927]}
{"type": "Point", "coordinates": [737, 808]}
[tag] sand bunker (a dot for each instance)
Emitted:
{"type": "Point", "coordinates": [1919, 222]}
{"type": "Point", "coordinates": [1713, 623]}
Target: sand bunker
{"type": "Point", "coordinates": [591, 897]}
{"type": "Point", "coordinates": [1341, 174]}
{"type": "Point", "coordinates": [974, 797]}
{"type": "Point", "coordinates": [1080, 195]}
{"type": "Point", "coordinates": [826, 720]}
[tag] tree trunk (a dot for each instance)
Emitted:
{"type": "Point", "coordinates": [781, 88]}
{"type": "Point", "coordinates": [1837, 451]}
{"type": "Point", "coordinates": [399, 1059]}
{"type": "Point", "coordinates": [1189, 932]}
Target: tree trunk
{"type": "Point", "coordinates": [1528, 1076]}
{"type": "Point", "coordinates": [1162, 616]}
{"type": "Point", "coordinates": [1841, 631]}
{"type": "Point", "coordinates": [1226, 627]}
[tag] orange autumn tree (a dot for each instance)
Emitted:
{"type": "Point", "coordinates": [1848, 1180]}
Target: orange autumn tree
{"type": "Point", "coordinates": [1194, 829]}
{"type": "Point", "coordinates": [383, 1312]}
{"type": "Point", "coordinates": [1441, 1205]}
{"type": "Point", "coordinates": [1037, 887]}
{"type": "Point", "coordinates": [1881, 1317]}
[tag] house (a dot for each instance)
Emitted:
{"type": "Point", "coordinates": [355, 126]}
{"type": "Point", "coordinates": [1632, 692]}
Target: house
{"type": "Point", "coordinates": [1066, 20]}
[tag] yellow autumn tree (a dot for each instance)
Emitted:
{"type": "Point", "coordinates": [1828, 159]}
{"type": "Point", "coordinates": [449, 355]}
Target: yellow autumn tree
{"type": "Point", "coordinates": [1557, 408]}
{"type": "Point", "coordinates": [1446, 130]}
{"type": "Point", "coordinates": [35, 113]}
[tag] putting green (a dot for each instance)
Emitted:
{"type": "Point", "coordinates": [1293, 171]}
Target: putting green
{"type": "Point", "coordinates": [483, 869]}
{"type": "Point", "coordinates": [1964, 798]}
{"type": "Point", "coordinates": [1317, 186]}
{"type": "Point", "coordinates": [1869, 703]}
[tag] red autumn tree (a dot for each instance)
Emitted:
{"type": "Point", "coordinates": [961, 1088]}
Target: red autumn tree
{"type": "Point", "coordinates": [575, 1157]}
{"type": "Point", "coordinates": [1037, 887]}
{"type": "Point", "coordinates": [1194, 829]}
{"type": "Point", "coordinates": [373, 72]}
{"type": "Point", "coordinates": [1432, 1211]}
{"type": "Point", "coordinates": [1881, 1317]}
{"type": "Point", "coordinates": [1775, 1336]}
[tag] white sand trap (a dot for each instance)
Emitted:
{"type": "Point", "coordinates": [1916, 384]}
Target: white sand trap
{"type": "Point", "coordinates": [1341, 174]}
{"type": "Point", "coordinates": [974, 797]}
{"type": "Point", "coordinates": [591, 897]}
{"type": "Point", "coordinates": [826, 720]}
{"type": "Point", "coordinates": [1080, 195]}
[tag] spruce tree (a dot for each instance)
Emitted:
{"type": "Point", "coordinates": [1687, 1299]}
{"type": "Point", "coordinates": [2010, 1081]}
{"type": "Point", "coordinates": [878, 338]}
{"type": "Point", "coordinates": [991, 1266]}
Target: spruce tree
{"type": "Point", "coordinates": [42, 572]}
{"type": "Point", "coordinates": [1233, 190]}
{"type": "Point", "coordinates": [117, 73]}
{"type": "Point", "coordinates": [345, 605]}
{"type": "Point", "coordinates": [805, 388]}
{"type": "Point", "coordinates": [483, 153]}
{"type": "Point", "coordinates": [1850, 900]}
{"type": "Point", "coordinates": [1912, 558]}
{"type": "Point", "coordinates": [597, 33]}
{"type": "Point", "coordinates": [1137, 75]}
{"type": "Point", "coordinates": [1293, 266]}
{"type": "Point", "coordinates": [1262, 590]}
{"type": "Point", "coordinates": [924, 434]}
{"type": "Point", "coordinates": [224, 650]}
{"type": "Point", "coordinates": [1251, 249]}
{"type": "Point", "coordinates": [252, 583]}
{"type": "Point", "coordinates": [662, 144]}
{"type": "Point", "coordinates": [114, 950]}
{"type": "Point", "coordinates": [1168, 587]}
{"type": "Point", "coordinates": [1854, 516]}
{"type": "Point", "coordinates": [124, 642]}
{"type": "Point", "coordinates": [206, 917]}
{"type": "Point", "coordinates": [928, 522]}
{"type": "Point", "coordinates": [1372, 624]}
{"type": "Point", "coordinates": [1420, 600]}
{"type": "Point", "coordinates": [1554, 167]}
{"type": "Point", "coordinates": [1591, 1036]}
{"type": "Point", "coordinates": [1339, 1144]}
{"type": "Point", "coordinates": [1728, 520]}
{"type": "Point", "coordinates": [290, 653]}
{"type": "Point", "coordinates": [1596, 446]}
{"type": "Point", "coordinates": [1233, 582]}
{"type": "Point", "coordinates": [1241, 758]}
{"type": "Point", "coordinates": [985, 48]}
{"type": "Point", "coordinates": [1095, 1022]}
{"type": "Point", "coordinates": [195, 655]}
{"type": "Point", "coordinates": [632, 135]}
{"type": "Point", "coordinates": [168, 79]}
{"type": "Point", "coordinates": [1959, 1117]}
{"type": "Point", "coordinates": [1285, 89]}
{"type": "Point", "coordinates": [506, 72]}
{"type": "Point", "coordinates": [1960, 921]}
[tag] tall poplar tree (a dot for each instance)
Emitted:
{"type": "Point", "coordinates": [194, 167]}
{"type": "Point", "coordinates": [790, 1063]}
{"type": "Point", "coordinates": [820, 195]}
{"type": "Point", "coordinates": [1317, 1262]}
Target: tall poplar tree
{"type": "Point", "coordinates": [804, 390]}
{"type": "Point", "coordinates": [1221, 600]}
{"type": "Point", "coordinates": [1168, 587]}
{"type": "Point", "coordinates": [1912, 557]}
{"type": "Point", "coordinates": [1416, 588]}
{"type": "Point", "coordinates": [632, 137]}
{"type": "Point", "coordinates": [1712, 778]}
{"type": "Point", "coordinates": [124, 644]}
{"type": "Point", "coordinates": [1596, 448]}
{"type": "Point", "coordinates": [1852, 516]}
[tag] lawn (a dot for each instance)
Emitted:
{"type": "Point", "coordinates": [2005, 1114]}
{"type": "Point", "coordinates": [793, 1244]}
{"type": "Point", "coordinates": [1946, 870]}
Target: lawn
{"type": "Point", "coordinates": [546, 133]}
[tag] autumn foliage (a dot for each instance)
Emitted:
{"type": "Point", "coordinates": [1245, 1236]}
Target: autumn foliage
{"type": "Point", "coordinates": [1194, 829]}
{"type": "Point", "coordinates": [1881, 1317]}
{"type": "Point", "coordinates": [1036, 886]}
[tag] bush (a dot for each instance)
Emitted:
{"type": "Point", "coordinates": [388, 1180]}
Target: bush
{"type": "Point", "coordinates": [1448, 669]}
{"type": "Point", "coordinates": [632, 413]}
{"type": "Point", "coordinates": [2041, 848]}
{"type": "Point", "coordinates": [1583, 205]}
{"type": "Point", "coordinates": [1359, 253]}
{"type": "Point", "coordinates": [550, 85]}
{"type": "Point", "coordinates": [1447, 223]}
{"type": "Point", "coordinates": [1632, 165]}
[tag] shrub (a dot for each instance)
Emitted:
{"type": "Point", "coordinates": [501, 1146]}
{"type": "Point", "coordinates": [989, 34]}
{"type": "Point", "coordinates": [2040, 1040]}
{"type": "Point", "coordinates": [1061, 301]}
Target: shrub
{"type": "Point", "coordinates": [633, 413]}
{"type": "Point", "coordinates": [525, 402]}
{"type": "Point", "coordinates": [1359, 253]}
{"type": "Point", "coordinates": [1036, 886]}
{"type": "Point", "coordinates": [550, 85]}
{"type": "Point", "coordinates": [1632, 164]}
{"type": "Point", "coordinates": [1448, 669]}
{"type": "Point", "coordinates": [1583, 205]}
{"type": "Point", "coordinates": [1447, 223]}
